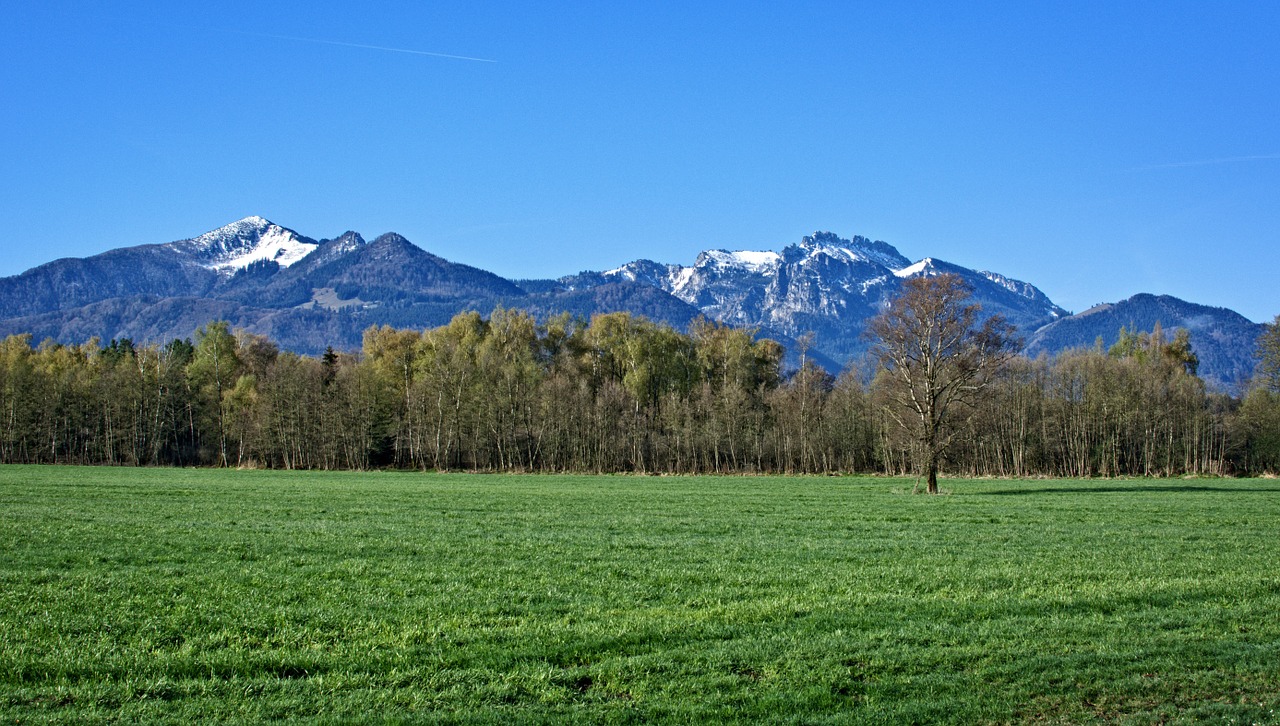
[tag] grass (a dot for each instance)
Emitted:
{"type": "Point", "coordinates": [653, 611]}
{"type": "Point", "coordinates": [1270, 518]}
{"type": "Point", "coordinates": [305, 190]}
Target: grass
{"type": "Point", "coordinates": [174, 595]}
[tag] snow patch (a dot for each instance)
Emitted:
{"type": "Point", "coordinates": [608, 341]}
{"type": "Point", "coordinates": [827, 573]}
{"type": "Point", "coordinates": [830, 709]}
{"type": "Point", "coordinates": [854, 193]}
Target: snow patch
{"type": "Point", "coordinates": [624, 272]}
{"type": "Point", "coordinates": [1001, 280]}
{"type": "Point", "coordinates": [835, 253]}
{"type": "Point", "coordinates": [679, 278]}
{"type": "Point", "coordinates": [867, 285]}
{"type": "Point", "coordinates": [749, 260]}
{"type": "Point", "coordinates": [276, 243]}
{"type": "Point", "coordinates": [755, 260]}
{"type": "Point", "coordinates": [243, 243]}
{"type": "Point", "coordinates": [858, 249]}
{"type": "Point", "coordinates": [1017, 287]}
{"type": "Point", "coordinates": [919, 268]}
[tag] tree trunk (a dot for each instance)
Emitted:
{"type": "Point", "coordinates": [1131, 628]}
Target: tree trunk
{"type": "Point", "coordinates": [933, 476]}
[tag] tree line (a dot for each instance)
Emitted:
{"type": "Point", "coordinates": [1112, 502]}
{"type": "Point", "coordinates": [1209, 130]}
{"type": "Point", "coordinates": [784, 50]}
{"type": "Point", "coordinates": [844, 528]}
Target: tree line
{"type": "Point", "coordinates": [617, 393]}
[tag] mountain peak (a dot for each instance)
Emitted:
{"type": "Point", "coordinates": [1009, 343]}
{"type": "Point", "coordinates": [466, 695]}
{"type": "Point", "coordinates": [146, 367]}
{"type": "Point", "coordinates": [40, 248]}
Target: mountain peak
{"type": "Point", "coordinates": [249, 225]}
{"type": "Point", "coordinates": [390, 238]}
{"type": "Point", "coordinates": [243, 242]}
{"type": "Point", "coordinates": [821, 283]}
{"type": "Point", "coordinates": [255, 220]}
{"type": "Point", "coordinates": [861, 248]}
{"type": "Point", "coordinates": [1223, 339]}
{"type": "Point", "coordinates": [923, 268]}
{"type": "Point", "coordinates": [820, 238]}
{"type": "Point", "coordinates": [747, 260]}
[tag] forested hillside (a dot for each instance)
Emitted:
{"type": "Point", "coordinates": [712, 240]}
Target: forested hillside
{"type": "Point", "coordinates": [1224, 340]}
{"type": "Point", "coordinates": [617, 394]}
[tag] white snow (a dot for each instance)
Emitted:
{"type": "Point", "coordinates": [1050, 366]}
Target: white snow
{"type": "Point", "coordinates": [244, 242]}
{"type": "Point", "coordinates": [858, 249]}
{"type": "Point", "coordinates": [836, 253]}
{"type": "Point", "coordinates": [679, 278]}
{"type": "Point", "coordinates": [1005, 282]}
{"type": "Point", "coordinates": [848, 255]}
{"type": "Point", "coordinates": [1015, 286]}
{"type": "Point", "coordinates": [920, 267]}
{"type": "Point", "coordinates": [872, 283]}
{"type": "Point", "coordinates": [275, 244]}
{"type": "Point", "coordinates": [624, 272]}
{"type": "Point", "coordinates": [749, 260]}
{"type": "Point", "coordinates": [755, 260]}
{"type": "Point", "coordinates": [886, 261]}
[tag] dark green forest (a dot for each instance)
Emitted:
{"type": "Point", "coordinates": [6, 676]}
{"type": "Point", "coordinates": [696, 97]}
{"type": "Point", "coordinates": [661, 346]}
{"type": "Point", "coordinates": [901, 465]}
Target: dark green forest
{"type": "Point", "coordinates": [617, 393]}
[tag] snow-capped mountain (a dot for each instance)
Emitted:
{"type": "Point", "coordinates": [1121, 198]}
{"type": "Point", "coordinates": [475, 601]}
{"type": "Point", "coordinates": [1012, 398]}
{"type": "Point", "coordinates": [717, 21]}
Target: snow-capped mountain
{"type": "Point", "coordinates": [242, 243]}
{"type": "Point", "coordinates": [824, 284]}
{"type": "Point", "coordinates": [198, 267]}
{"type": "Point", "coordinates": [308, 294]}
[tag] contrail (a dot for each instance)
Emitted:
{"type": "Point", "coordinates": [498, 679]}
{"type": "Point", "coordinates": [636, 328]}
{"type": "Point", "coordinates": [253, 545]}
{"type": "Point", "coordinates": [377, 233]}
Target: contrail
{"type": "Point", "coordinates": [1209, 162]}
{"type": "Point", "coordinates": [366, 47]}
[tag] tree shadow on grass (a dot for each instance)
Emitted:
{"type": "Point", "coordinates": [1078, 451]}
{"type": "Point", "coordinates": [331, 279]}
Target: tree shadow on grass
{"type": "Point", "coordinates": [1135, 489]}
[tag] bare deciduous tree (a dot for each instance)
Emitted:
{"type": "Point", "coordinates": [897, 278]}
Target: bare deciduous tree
{"type": "Point", "coordinates": [938, 358]}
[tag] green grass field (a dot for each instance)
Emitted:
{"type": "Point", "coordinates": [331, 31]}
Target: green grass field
{"type": "Point", "coordinates": [162, 594]}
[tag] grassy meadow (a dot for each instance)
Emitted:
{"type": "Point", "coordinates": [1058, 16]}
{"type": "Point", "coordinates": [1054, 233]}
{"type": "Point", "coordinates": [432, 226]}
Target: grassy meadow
{"type": "Point", "coordinates": [173, 595]}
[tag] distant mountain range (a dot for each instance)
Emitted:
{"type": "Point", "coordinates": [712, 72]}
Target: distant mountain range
{"type": "Point", "coordinates": [824, 284]}
{"type": "Point", "coordinates": [307, 294]}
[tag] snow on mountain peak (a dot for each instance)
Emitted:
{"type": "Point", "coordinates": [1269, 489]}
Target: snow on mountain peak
{"type": "Point", "coordinates": [748, 260]}
{"type": "Point", "coordinates": [239, 228]}
{"type": "Point", "coordinates": [1017, 287]}
{"type": "Point", "coordinates": [923, 267]}
{"type": "Point", "coordinates": [858, 249]}
{"type": "Point", "coordinates": [823, 239]}
{"type": "Point", "coordinates": [244, 242]}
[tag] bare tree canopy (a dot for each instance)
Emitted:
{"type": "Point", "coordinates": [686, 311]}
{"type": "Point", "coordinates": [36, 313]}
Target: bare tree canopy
{"type": "Point", "coordinates": [937, 358]}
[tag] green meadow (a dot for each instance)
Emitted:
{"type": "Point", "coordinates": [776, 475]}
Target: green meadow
{"type": "Point", "coordinates": [177, 595]}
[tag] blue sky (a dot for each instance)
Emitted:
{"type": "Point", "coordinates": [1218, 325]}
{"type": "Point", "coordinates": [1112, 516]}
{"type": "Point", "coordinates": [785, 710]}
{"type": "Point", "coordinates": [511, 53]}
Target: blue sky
{"type": "Point", "coordinates": [1096, 150]}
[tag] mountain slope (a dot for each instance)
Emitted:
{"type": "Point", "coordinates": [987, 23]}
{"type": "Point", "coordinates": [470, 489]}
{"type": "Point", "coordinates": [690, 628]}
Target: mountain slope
{"type": "Point", "coordinates": [1223, 339]}
{"type": "Point", "coordinates": [309, 294]}
{"type": "Point", "coordinates": [71, 283]}
{"type": "Point", "coordinates": [193, 267]}
{"type": "Point", "coordinates": [242, 243]}
{"type": "Point", "coordinates": [392, 268]}
{"type": "Point", "coordinates": [265, 278]}
{"type": "Point", "coordinates": [824, 284]}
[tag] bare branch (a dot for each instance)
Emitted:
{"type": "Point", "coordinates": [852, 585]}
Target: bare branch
{"type": "Point", "coordinates": [939, 360]}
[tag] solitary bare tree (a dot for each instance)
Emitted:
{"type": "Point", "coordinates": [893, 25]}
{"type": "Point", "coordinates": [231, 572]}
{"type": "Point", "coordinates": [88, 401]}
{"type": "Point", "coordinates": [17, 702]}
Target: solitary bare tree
{"type": "Point", "coordinates": [938, 358]}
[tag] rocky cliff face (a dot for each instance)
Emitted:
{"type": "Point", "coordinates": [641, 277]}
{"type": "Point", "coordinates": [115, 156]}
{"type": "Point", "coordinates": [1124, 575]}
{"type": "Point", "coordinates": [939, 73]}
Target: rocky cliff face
{"type": "Point", "coordinates": [823, 284]}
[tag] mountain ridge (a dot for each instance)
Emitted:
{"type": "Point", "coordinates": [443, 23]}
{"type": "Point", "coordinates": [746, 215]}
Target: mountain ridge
{"type": "Point", "coordinates": [824, 284]}
{"type": "Point", "coordinates": [273, 280]}
{"type": "Point", "coordinates": [1221, 338]}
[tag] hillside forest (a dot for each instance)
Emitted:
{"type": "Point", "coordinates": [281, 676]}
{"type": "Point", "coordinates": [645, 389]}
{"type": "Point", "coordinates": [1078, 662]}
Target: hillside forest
{"type": "Point", "coordinates": [617, 393]}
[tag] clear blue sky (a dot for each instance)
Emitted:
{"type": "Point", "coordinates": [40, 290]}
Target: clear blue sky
{"type": "Point", "coordinates": [1096, 150]}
